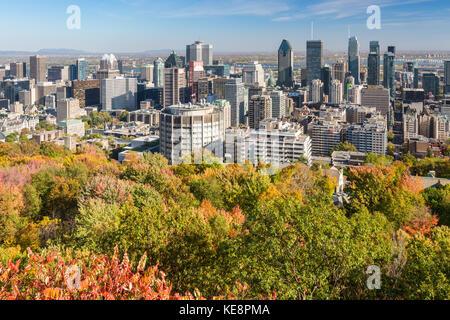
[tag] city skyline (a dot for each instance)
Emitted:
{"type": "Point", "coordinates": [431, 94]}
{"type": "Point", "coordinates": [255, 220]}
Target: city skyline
{"type": "Point", "coordinates": [241, 26]}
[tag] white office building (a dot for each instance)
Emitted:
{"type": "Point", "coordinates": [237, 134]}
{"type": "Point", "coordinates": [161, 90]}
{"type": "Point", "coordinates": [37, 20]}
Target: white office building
{"type": "Point", "coordinates": [118, 93]}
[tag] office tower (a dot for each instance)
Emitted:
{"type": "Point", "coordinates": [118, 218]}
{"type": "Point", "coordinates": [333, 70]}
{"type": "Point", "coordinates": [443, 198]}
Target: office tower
{"type": "Point", "coordinates": [67, 109]}
{"type": "Point", "coordinates": [377, 97]}
{"type": "Point", "coordinates": [253, 74]}
{"type": "Point", "coordinates": [174, 86]}
{"type": "Point", "coordinates": [285, 65]}
{"type": "Point", "coordinates": [147, 72]}
{"type": "Point", "coordinates": [416, 78]}
{"type": "Point", "coordinates": [18, 69]}
{"type": "Point", "coordinates": [430, 84]}
{"type": "Point", "coordinates": [222, 70]}
{"type": "Point", "coordinates": [316, 91]}
{"type": "Point", "coordinates": [109, 62]}
{"type": "Point", "coordinates": [374, 64]}
{"type": "Point", "coordinates": [219, 87]}
{"type": "Point", "coordinates": [235, 94]}
{"type": "Point", "coordinates": [87, 92]}
{"type": "Point", "coordinates": [391, 49]}
{"type": "Point", "coordinates": [279, 104]}
{"type": "Point", "coordinates": [118, 93]}
{"type": "Point", "coordinates": [354, 60]}
{"type": "Point", "coordinates": [56, 73]}
{"type": "Point", "coordinates": [158, 76]}
{"type": "Point", "coordinates": [447, 77]}
{"type": "Point", "coordinates": [314, 59]}
{"type": "Point", "coordinates": [196, 72]}
{"type": "Point", "coordinates": [389, 70]}
{"type": "Point", "coordinates": [187, 129]}
{"type": "Point", "coordinates": [348, 83]}
{"type": "Point", "coordinates": [81, 69]}
{"type": "Point", "coordinates": [199, 51]}
{"type": "Point", "coordinates": [325, 77]}
{"type": "Point", "coordinates": [339, 71]}
{"type": "Point", "coordinates": [336, 92]}
{"type": "Point", "coordinates": [409, 66]}
{"type": "Point", "coordinates": [359, 114]}
{"type": "Point", "coordinates": [259, 108]}
{"type": "Point", "coordinates": [174, 61]}
{"type": "Point", "coordinates": [325, 136]}
{"type": "Point", "coordinates": [255, 91]}
{"type": "Point", "coordinates": [354, 94]}
{"type": "Point", "coordinates": [38, 68]}
{"type": "Point", "coordinates": [368, 137]}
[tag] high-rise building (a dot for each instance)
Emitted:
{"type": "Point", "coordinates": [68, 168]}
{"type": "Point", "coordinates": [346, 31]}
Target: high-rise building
{"type": "Point", "coordinates": [56, 73]}
{"type": "Point", "coordinates": [325, 77]}
{"type": "Point", "coordinates": [18, 69]}
{"type": "Point", "coordinates": [389, 70]}
{"type": "Point", "coordinates": [354, 94]}
{"type": "Point", "coordinates": [87, 92]}
{"type": "Point", "coordinates": [336, 92]}
{"type": "Point", "coordinates": [285, 65]}
{"type": "Point", "coordinates": [253, 74]}
{"type": "Point", "coordinates": [325, 136]}
{"type": "Point", "coordinates": [279, 104]}
{"type": "Point", "coordinates": [196, 72]}
{"type": "Point", "coordinates": [118, 93]}
{"type": "Point", "coordinates": [314, 59]}
{"type": "Point", "coordinates": [174, 86]}
{"type": "Point", "coordinates": [447, 77]}
{"type": "Point", "coordinates": [158, 76]}
{"type": "Point", "coordinates": [316, 91]}
{"type": "Point", "coordinates": [188, 129]}
{"type": "Point", "coordinates": [430, 84]}
{"type": "Point", "coordinates": [368, 137]}
{"type": "Point", "coordinates": [339, 71]}
{"type": "Point", "coordinates": [236, 95]}
{"type": "Point", "coordinates": [147, 72]}
{"type": "Point", "coordinates": [354, 60]}
{"type": "Point", "coordinates": [67, 109]}
{"type": "Point", "coordinates": [377, 97]}
{"type": "Point", "coordinates": [374, 64]}
{"type": "Point", "coordinates": [259, 108]}
{"type": "Point", "coordinates": [38, 68]}
{"type": "Point", "coordinates": [199, 51]}
{"type": "Point", "coordinates": [81, 69]}
{"type": "Point", "coordinates": [174, 61]}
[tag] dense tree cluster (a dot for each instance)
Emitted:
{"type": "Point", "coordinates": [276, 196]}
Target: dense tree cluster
{"type": "Point", "coordinates": [220, 231]}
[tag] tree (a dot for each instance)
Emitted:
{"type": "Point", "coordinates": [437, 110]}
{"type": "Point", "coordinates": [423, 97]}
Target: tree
{"type": "Point", "coordinates": [344, 146]}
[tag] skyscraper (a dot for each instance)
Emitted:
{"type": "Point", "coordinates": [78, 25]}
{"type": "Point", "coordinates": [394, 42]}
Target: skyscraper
{"type": "Point", "coordinates": [336, 92]}
{"type": "Point", "coordinates": [147, 73]}
{"type": "Point", "coordinates": [259, 108]}
{"type": "Point", "coordinates": [325, 77]}
{"type": "Point", "coordinates": [199, 51]}
{"type": "Point", "coordinates": [174, 61]}
{"type": "Point", "coordinates": [158, 76]}
{"type": "Point", "coordinates": [174, 86]}
{"type": "Point", "coordinates": [253, 74]}
{"type": "Point", "coordinates": [18, 69]}
{"type": "Point", "coordinates": [235, 94]}
{"type": "Point", "coordinates": [118, 93]}
{"type": "Point", "coordinates": [354, 60]}
{"type": "Point", "coordinates": [447, 77]}
{"type": "Point", "coordinates": [430, 84]}
{"type": "Point", "coordinates": [81, 67]}
{"type": "Point", "coordinates": [339, 71]}
{"type": "Point", "coordinates": [374, 64]}
{"type": "Point", "coordinates": [389, 70]}
{"type": "Point", "coordinates": [314, 59]}
{"type": "Point", "coordinates": [285, 64]}
{"type": "Point", "coordinates": [38, 68]}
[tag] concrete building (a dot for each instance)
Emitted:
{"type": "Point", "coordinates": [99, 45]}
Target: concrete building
{"type": "Point", "coordinates": [38, 68]}
{"type": "Point", "coordinates": [147, 73]}
{"type": "Point", "coordinates": [58, 73]}
{"type": "Point", "coordinates": [359, 114]}
{"type": "Point", "coordinates": [174, 86]}
{"type": "Point", "coordinates": [336, 92]}
{"type": "Point", "coordinates": [68, 109]}
{"type": "Point", "coordinates": [368, 137]}
{"type": "Point", "coordinates": [236, 94]}
{"type": "Point", "coordinates": [280, 106]}
{"type": "Point", "coordinates": [339, 71]}
{"type": "Point", "coordinates": [378, 97]}
{"type": "Point", "coordinates": [447, 77]}
{"type": "Point", "coordinates": [18, 69]}
{"type": "Point", "coordinates": [87, 92]}
{"type": "Point", "coordinates": [118, 93]}
{"type": "Point", "coordinates": [188, 129]}
{"type": "Point", "coordinates": [316, 91]}
{"type": "Point", "coordinates": [259, 108]}
{"type": "Point", "coordinates": [325, 136]}
{"type": "Point", "coordinates": [253, 74]}
{"type": "Point", "coordinates": [199, 51]}
{"type": "Point", "coordinates": [73, 127]}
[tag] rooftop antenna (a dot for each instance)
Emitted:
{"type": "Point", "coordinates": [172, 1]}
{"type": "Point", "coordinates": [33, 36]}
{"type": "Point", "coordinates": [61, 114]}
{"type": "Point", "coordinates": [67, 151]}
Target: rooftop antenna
{"type": "Point", "coordinates": [312, 30]}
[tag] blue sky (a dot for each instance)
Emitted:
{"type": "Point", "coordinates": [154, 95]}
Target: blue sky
{"type": "Point", "coordinates": [230, 25]}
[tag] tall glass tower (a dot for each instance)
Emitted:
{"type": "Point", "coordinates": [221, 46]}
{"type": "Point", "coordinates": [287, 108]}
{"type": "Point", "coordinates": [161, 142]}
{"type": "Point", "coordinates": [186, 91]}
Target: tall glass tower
{"type": "Point", "coordinates": [354, 60]}
{"type": "Point", "coordinates": [285, 65]}
{"type": "Point", "coordinates": [158, 73]}
{"type": "Point", "coordinates": [389, 70]}
{"type": "Point", "coordinates": [81, 67]}
{"type": "Point", "coordinates": [374, 64]}
{"type": "Point", "coordinates": [314, 59]}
